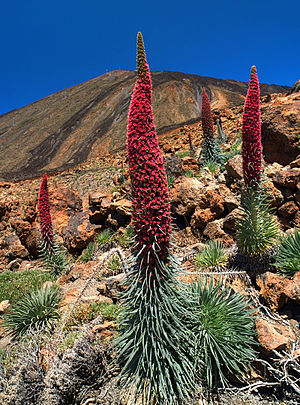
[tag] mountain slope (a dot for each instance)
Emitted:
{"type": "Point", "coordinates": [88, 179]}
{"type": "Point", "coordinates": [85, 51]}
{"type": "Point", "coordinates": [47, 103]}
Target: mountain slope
{"type": "Point", "coordinates": [90, 119]}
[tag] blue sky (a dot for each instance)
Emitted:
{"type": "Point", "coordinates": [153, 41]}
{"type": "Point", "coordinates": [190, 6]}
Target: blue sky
{"type": "Point", "coordinates": [51, 45]}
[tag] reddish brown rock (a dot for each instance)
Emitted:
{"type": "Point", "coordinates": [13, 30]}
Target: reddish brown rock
{"type": "Point", "coordinates": [189, 163]}
{"type": "Point", "coordinates": [280, 128]}
{"type": "Point", "coordinates": [211, 206]}
{"type": "Point", "coordinates": [272, 289]}
{"type": "Point", "coordinates": [64, 203]}
{"type": "Point", "coordinates": [288, 209]}
{"type": "Point", "coordinates": [231, 202]}
{"type": "Point", "coordinates": [214, 230]}
{"type": "Point", "coordinates": [292, 288]}
{"type": "Point", "coordinates": [276, 289]}
{"type": "Point", "coordinates": [274, 335]}
{"type": "Point", "coordinates": [100, 206]}
{"type": "Point", "coordinates": [80, 231]}
{"type": "Point", "coordinates": [173, 165]}
{"type": "Point", "coordinates": [123, 207]}
{"type": "Point", "coordinates": [287, 178]}
{"type": "Point", "coordinates": [275, 195]}
{"type": "Point", "coordinates": [29, 235]}
{"type": "Point", "coordinates": [230, 220]}
{"type": "Point", "coordinates": [234, 167]}
{"type": "Point", "coordinates": [185, 196]}
{"type": "Point", "coordinates": [202, 217]}
{"type": "Point", "coordinates": [16, 249]}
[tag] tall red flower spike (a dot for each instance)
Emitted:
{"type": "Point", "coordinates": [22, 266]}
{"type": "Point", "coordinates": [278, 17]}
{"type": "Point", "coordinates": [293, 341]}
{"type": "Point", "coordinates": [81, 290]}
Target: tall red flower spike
{"type": "Point", "coordinates": [206, 117]}
{"type": "Point", "coordinates": [44, 211]}
{"type": "Point", "coordinates": [151, 208]}
{"type": "Point", "coordinates": [251, 134]}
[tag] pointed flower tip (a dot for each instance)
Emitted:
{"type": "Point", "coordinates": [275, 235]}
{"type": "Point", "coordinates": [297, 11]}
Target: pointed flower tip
{"type": "Point", "coordinates": [141, 56]}
{"type": "Point", "coordinates": [253, 69]}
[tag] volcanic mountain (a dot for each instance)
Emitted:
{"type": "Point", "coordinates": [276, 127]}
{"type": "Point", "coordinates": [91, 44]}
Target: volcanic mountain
{"type": "Point", "coordinates": [89, 119]}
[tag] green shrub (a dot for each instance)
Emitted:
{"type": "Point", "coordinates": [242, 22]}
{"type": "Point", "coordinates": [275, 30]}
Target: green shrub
{"type": "Point", "coordinates": [213, 255]}
{"type": "Point", "coordinates": [36, 310]}
{"type": "Point", "coordinates": [125, 239]}
{"type": "Point", "coordinates": [114, 264]}
{"type": "Point", "coordinates": [170, 179]}
{"type": "Point", "coordinates": [212, 166]}
{"type": "Point", "coordinates": [189, 173]}
{"type": "Point", "coordinates": [86, 312]}
{"type": "Point", "coordinates": [224, 332]}
{"type": "Point", "coordinates": [256, 227]}
{"type": "Point", "coordinates": [183, 153]}
{"type": "Point", "coordinates": [69, 340]}
{"type": "Point", "coordinates": [104, 237]}
{"type": "Point", "coordinates": [14, 286]}
{"type": "Point", "coordinates": [88, 252]}
{"type": "Point", "coordinates": [288, 256]}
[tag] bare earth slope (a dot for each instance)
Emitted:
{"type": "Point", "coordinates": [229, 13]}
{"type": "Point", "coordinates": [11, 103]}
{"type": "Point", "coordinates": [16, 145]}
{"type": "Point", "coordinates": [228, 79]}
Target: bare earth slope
{"type": "Point", "coordinates": [88, 120]}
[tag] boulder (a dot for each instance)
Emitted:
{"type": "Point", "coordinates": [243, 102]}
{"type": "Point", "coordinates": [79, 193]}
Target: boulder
{"type": "Point", "coordinates": [274, 335]}
{"type": "Point", "coordinates": [202, 217]}
{"type": "Point", "coordinates": [276, 289]}
{"type": "Point", "coordinates": [231, 202]}
{"type": "Point", "coordinates": [230, 220]}
{"type": "Point", "coordinates": [80, 231]}
{"type": "Point", "coordinates": [288, 209]}
{"type": "Point", "coordinates": [64, 203]}
{"type": "Point", "coordinates": [185, 196]}
{"type": "Point", "coordinates": [189, 163]}
{"type": "Point", "coordinates": [100, 206]}
{"type": "Point", "coordinates": [16, 249]}
{"type": "Point", "coordinates": [173, 165]}
{"type": "Point", "coordinates": [280, 128]}
{"type": "Point", "coordinates": [211, 206]}
{"type": "Point", "coordinates": [112, 286]}
{"type": "Point", "coordinates": [287, 178]}
{"type": "Point", "coordinates": [295, 163]}
{"type": "Point", "coordinates": [214, 230]}
{"type": "Point", "coordinates": [234, 168]}
{"type": "Point", "coordinates": [275, 195]}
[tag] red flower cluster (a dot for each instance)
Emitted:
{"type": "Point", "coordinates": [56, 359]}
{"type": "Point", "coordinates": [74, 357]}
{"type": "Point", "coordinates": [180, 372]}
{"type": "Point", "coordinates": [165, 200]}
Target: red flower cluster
{"type": "Point", "coordinates": [206, 117]}
{"type": "Point", "coordinates": [44, 211]}
{"type": "Point", "coordinates": [151, 208]}
{"type": "Point", "coordinates": [251, 134]}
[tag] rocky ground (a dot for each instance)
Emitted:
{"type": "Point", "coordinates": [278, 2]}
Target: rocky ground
{"type": "Point", "coordinates": [205, 202]}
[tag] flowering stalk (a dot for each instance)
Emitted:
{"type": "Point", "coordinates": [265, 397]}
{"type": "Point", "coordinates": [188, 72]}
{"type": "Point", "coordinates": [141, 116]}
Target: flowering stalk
{"type": "Point", "coordinates": [151, 207]}
{"type": "Point", "coordinates": [251, 134]}
{"type": "Point", "coordinates": [210, 149]}
{"type": "Point", "coordinates": [154, 343]}
{"type": "Point", "coordinates": [206, 117]}
{"type": "Point", "coordinates": [45, 216]}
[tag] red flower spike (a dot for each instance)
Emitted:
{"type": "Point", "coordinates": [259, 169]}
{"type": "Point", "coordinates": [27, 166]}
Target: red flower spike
{"type": "Point", "coordinates": [44, 211]}
{"type": "Point", "coordinates": [206, 117]}
{"type": "Point", "coordinates": [251, 134]}
{"type": "Point", "coordinates": [151, 207]}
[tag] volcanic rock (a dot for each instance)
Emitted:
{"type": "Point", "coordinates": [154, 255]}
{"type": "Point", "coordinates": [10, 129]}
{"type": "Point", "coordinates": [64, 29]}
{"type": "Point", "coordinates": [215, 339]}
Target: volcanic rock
{"type": "Point", "coordinates": [280, 128]}
{"type": "Point", "coordinates": [273, 335]}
